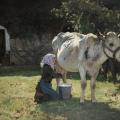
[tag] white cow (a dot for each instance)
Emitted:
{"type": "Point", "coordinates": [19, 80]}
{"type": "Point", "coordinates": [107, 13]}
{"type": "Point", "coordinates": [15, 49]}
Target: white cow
{"type": "Point", "coordinates": [56, 44]}
{"type": "Point", "coordinates": [85, 54]}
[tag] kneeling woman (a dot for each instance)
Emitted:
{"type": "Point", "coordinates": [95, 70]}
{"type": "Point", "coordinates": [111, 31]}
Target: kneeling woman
{"type": "Point", "coordinates": [44, 90]}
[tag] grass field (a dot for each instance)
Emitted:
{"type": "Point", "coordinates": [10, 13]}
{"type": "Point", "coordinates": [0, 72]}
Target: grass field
{"type": "Point", "coordinates": [17, 88]}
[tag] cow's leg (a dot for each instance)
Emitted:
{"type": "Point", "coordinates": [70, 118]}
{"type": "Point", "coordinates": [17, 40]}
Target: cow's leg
{"type": "Point", "coordinates": [112, 67]}
{"type": "Point", "coordinates": [64, 77]}
{"type": "Point", "coordinates": [114, 76]}
{"type": "Point", "coordinates": [83, 83]}
{"type": "Point", "coordinates": [57, 81]}
{"type": "Point", "coordinates": [113, 71]}
{"type": "Point", "coordinates": [93, 86]}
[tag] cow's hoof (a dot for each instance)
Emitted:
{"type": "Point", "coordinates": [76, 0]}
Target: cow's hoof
{"type": "Point", "coordinates": [82, 101]}
{"type": "Point", "coordinates": [94, 101]}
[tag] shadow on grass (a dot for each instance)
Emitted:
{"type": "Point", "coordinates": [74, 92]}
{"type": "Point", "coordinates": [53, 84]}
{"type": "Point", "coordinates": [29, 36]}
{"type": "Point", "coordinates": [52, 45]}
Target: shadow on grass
{"type": "Point", "coordinates": [73, 110]}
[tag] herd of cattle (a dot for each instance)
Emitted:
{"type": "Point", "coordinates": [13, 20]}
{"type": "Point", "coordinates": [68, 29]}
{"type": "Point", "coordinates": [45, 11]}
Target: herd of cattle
{"type": "Point", "coordinates": [86, 54]}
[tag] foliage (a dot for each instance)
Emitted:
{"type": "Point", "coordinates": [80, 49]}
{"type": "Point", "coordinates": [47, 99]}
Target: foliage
{"type": "Point", "coordinates": [90, 15]}
{"type": "Point", "coordinates": [23, 17]}
{"type": "Point", "coordinates": [26, 17]}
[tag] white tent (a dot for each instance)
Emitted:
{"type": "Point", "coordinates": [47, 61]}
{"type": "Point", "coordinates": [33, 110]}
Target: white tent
{"type": "Point", "coordinates": [7, 39]}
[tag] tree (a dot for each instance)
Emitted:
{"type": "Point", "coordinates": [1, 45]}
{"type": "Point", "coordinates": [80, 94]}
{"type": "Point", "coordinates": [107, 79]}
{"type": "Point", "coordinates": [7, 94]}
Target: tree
{"type": "Point", "coordinates": [89, 15]}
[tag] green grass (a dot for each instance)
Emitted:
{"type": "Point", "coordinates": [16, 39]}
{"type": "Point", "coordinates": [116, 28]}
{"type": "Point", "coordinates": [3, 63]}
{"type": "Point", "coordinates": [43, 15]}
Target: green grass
{"type": "Point", "coordinates": [17, 88]}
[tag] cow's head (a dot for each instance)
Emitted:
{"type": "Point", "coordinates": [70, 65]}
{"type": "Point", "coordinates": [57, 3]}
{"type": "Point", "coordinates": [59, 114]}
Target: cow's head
{"type": "Point", "coordinates": [112, 45]}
